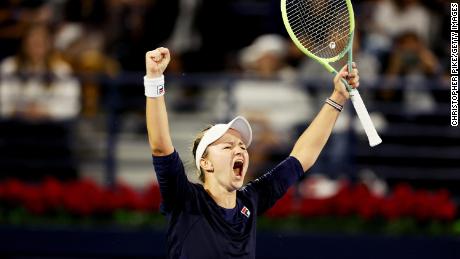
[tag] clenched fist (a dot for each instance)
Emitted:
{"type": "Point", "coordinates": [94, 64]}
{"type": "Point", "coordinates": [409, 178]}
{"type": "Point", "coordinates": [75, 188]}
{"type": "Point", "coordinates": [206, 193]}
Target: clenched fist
{"type": "Point", "coordinates": [351, 78]}
{"type": "Point", "coordinates": [156, 62]}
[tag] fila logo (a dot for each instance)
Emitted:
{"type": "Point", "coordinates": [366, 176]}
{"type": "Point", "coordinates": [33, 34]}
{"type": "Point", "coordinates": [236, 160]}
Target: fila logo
{"type": "Point", "coordinates": [245, 211]}
{"type": "Point", "coordinates": [161, 89]}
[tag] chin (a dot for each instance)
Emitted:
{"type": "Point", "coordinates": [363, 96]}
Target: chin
{"type": "Point", "coordinates": [237, 184]}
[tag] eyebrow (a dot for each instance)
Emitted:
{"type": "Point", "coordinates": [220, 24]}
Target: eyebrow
{"type": "Point", "coordinates": [232, 142]}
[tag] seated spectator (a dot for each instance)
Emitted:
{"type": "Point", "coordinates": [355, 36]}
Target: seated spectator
{"type": "Point", "coordinates": [411, 63]}
{"type": "Point", "coordinates": [391, 18]}
{"type": "Point", "coordinates": [83, 48]}
{"type": "Point", "coordinates": [38, 99]}
{"type": "Point", "coordinates": [15, 15]}
{"type": "Point", "coordinates": [270, 98]}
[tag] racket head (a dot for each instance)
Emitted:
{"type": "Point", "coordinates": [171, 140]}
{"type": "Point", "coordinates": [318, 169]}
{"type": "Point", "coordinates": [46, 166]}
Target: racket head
{"type": "Point", "coordinates": [322, 29]}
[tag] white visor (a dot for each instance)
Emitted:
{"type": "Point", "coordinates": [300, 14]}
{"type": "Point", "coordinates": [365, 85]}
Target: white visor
{"type": "Point", "coordinates": [239, 124]}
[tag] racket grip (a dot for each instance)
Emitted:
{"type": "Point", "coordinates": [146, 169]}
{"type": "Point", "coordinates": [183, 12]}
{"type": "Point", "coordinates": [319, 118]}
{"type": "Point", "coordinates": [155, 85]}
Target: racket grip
{"type": "Point", "coordinates": [363, 115]}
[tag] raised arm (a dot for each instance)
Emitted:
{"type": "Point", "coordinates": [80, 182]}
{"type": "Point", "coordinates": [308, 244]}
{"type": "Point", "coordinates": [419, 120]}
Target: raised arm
{"type": "Point", "coordinates": [311, 142]}
{"type": "Point", "coordinates": [156, 62]}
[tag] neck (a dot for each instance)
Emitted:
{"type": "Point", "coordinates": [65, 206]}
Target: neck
{"type": "Point", "coordinates": [36, 66]}
{"type": "Point", "coordinates": [224, 198]}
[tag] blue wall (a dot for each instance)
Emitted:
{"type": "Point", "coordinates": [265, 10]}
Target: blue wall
{"type": "Point", "coordinates": [112, 242]}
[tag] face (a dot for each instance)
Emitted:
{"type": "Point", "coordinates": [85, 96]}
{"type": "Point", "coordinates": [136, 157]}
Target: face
{"type": "Point", "coordinates": [37, 44]}
{"type": "Point", "coordinates": [268, 64]}
{"type": "Point", "coordinates": [227, 161]}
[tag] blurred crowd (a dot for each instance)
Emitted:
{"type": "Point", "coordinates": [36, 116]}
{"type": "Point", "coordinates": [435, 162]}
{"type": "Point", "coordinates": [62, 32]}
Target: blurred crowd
{"type": "Point", "coordinates": [54, 54]}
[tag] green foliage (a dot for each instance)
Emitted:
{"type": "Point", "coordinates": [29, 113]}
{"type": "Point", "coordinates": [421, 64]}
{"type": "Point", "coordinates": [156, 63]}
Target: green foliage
{"type": "Point", "coordinates": [351, 225]}
{"type": "Point", "coordinates": [355, 225]}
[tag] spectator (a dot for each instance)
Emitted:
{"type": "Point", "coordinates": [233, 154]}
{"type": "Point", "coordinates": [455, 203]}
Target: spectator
{"type": "Point", "coordinates": [38, 97]}
{"type": "Point", "coordinates": [411, 63]}
{"type": "Point", "coordinates": [271, 98]}
{"type": "Point", "coordinates": [391, 18]}
{"type": "Point", "coordinates": [84, 49]}
{"type": "Point", "coordinates": [15, 15]}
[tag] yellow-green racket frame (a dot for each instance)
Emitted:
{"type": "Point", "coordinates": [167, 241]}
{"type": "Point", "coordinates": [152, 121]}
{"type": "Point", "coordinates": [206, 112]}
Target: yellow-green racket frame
{"type": "Point", "coordinates": [358, 104]}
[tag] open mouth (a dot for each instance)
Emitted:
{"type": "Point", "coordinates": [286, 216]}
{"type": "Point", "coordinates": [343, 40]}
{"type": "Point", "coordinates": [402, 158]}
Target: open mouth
{"type": "Point", "coordinates": [238, 167]}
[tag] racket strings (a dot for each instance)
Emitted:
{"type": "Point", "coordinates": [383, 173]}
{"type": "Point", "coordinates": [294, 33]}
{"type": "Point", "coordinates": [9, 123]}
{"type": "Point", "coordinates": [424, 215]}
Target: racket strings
{"type": "Point", "coordinates": [321, 26]}
{"type": "Point", "coordinates": [324, 27]}
{"type": "Point", "coordinates": [318, 20]}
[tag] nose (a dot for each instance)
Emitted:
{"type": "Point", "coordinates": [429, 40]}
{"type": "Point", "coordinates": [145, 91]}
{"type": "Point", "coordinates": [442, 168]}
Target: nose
{"type": "Point", "coordinates": [239, 150]}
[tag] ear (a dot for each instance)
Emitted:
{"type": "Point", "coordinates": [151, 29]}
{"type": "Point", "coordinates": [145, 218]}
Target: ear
{"type": "Point", "coordinates": [206, 165]}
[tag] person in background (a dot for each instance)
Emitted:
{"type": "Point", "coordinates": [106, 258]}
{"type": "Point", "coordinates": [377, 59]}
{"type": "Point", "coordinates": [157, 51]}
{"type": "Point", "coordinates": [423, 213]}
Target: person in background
{"type": "Point", "coordinates": [391, 18]}
{"type": "Point", "coordinates": [270, 96]}
{"type": "Point", "coordinates": [15, 16]}
{"type": "Point", "coordinates": [36, 85]}
{"type": "Point", "coordinates": [38, 97]}
{"type": "Point", "coordinates": [411, 64]}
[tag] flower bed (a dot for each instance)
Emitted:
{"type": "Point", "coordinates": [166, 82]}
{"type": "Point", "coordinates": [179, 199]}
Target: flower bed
{"type": "Point", "coordinates": [358, 200]}
{"type": "Point", "coordinates": [77, 202]}
{"type": "Point", "coordinates": [352, 209]}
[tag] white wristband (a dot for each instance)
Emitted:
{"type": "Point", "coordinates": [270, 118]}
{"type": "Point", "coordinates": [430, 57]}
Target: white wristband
{"type": "Point", "coordinates": [154, 87]}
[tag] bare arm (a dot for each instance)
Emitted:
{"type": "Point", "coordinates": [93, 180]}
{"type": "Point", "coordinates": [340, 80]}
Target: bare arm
{"type": "Point", "coordinates": [312, 141]}
{"type": "Point", "coordinates": [156, 62]}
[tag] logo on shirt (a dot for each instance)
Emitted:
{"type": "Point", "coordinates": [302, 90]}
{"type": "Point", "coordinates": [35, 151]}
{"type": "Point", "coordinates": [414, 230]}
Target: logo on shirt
{"type": "Point", "coordinates": [245, 211]}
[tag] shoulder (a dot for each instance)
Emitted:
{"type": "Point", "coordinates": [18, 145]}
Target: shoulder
{"type": "Point", "coordinates": [173, 157]}
{"type": "Point", "coordinates": [8, 65]}
{"type": "Point", "coordinates": [248, 195]}
{"type": "Point", "coordinates": [170, 165]}
{"type": "Point", "coordinates": [290, 169]}
{"type": "Point", "coordinates": [289, 164]}
{"type": "Point", "coordinates": [61, 68]}
{"type": "Point", "coordinates": [245, 191]}
{"type": "Point", "coordinates": [292, 165]}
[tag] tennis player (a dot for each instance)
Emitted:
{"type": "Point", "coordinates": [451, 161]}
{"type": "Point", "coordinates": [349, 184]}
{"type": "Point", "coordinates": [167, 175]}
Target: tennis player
{"type": "Point", "coordinates": [217, 219]}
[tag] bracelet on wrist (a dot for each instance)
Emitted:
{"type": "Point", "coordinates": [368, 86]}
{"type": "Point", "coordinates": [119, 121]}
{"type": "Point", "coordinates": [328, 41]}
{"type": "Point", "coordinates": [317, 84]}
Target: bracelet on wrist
{"type": "Point", "coordinates": [334, 104]}
{"type": "Point", "coordinates": [154, 87]}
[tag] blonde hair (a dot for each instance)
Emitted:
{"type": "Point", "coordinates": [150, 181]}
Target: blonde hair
{"type": "Point", "coordinates": [197, 140]}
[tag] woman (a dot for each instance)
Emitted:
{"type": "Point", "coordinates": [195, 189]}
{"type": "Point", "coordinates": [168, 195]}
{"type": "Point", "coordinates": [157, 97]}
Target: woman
{"type": "Point", "coordinates": [217, 219]}
{"type": "Point", "coordinates": [39, 99]}
{"type": "Point", "coordinates": [35, 84]}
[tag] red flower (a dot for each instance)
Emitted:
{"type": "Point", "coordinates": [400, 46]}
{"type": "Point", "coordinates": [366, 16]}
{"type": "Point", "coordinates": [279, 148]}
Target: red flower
{"type": "Point", "coordinates": [446, 211]}
{"type": "Point", "coordinates": [404, 199]}
{"type": "Point", "coordinates": [52, 193]}
{"type": "Point", "coordinates": [389, 208]}
{"type": "Point", "coordinates": [128, 198]}
{"type": "Point", "coordinates": [423, 205]}
{"type": "Point", "coordinates": [13, 190]}
{"type": "Point", "coordinates": [83, 197]}
{"type": "Point", "coordinates": [33, 200]}
{"type": "Point", "coordinates": [342, 203]}
{"type": "Point", "coordinates": [284, 206]}
{"type": "Point", "coordinates": [152, 198]}
{"type": "Point", "coordinates": [369, 207]}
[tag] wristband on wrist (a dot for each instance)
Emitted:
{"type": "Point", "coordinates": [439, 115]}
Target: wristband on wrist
{"type": "Point", "coordinates": [334, 104]}
{"type": "Point", "coordinates": [154, 87]}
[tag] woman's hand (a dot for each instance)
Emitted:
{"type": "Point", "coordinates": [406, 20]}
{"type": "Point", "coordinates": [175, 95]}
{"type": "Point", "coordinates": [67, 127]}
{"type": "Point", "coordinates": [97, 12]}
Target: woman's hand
{"type": "Point", "coordinates": [156, 62]}
{"type": "Point", "coordinates": [340, 91]}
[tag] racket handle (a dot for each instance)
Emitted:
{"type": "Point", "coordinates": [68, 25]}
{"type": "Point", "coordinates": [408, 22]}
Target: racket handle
{"type": "Point", "coordinates": [363, 115]}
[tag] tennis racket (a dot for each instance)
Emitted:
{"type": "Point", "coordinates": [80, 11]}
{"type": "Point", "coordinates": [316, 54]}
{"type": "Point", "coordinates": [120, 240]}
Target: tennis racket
{"type": "Point", "coordinates": [323, 30]}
